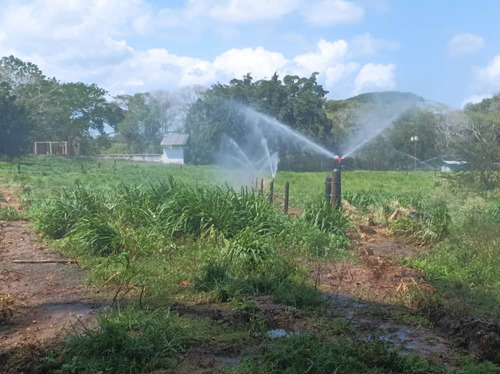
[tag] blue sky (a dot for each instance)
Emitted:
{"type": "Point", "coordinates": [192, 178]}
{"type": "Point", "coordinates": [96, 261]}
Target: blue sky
{"type": "Point", "coordinates": [447, 51]}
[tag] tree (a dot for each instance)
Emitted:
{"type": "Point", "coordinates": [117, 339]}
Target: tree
{"type": "Point", "coordinates": [73, 112]}
{"type": "Point", "coordinates": [477, 140]}
{"type": "Point", "coordinates": [147, 117]}
{"type": "Point", "coordinates": [297, 102]}
{"type": "Point", "coordinates": [14, 125]}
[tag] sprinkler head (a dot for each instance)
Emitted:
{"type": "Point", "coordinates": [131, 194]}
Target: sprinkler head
{"type": "Point", "coordinates": [340, 159]}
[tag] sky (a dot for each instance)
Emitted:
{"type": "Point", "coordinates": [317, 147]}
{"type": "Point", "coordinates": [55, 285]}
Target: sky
{"type": "Point", "coordinates": [444, 50]}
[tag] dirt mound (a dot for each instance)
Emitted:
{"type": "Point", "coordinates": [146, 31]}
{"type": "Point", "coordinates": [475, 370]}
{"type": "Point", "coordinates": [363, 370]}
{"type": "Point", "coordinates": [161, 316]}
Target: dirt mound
{"type": "Point", "coordinates": [478, 336]}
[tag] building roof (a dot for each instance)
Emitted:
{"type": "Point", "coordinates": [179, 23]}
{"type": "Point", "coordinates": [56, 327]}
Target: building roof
{"type": "Point", "coordinates": [175, 139]}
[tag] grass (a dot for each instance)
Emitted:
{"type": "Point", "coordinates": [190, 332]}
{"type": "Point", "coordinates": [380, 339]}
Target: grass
{"type": "Point", "coordinates": [165, 234]}
{"type": "Point", "coordinates": [307, 354]}
{"type": "Point", "coordinates": [9, 214]}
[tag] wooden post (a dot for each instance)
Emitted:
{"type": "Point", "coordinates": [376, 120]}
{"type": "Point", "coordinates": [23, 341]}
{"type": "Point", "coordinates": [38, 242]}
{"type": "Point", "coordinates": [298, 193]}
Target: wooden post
{"type": "Point", "coordinates": [287, 196]}
{"type": "Point", "coordinates": [328, 189]}
{"type": "Point", "coordinates": [337, 189]}
{"type": "Point", "coordinates": [262, 186]}
{"type": "Point", "coordinates": [36, 150]}
{"type": "Point", "coordinates": [271, 191]}
{"type": "Point", "coordinates": [50, 148]}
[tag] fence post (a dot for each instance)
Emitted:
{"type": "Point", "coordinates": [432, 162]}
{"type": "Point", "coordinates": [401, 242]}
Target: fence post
{"type": "Point", "coordinates": [271, 191]}
{"type": "Point", "coordinates": [262, 186]}
{"type": "Point", "coordinates": [287, 196]}
{"type": "Point", "coordinates": [328, 189]}
{"type": "Point", "coordinates": [82, 168]}
{"type": "Point", "coordinates": [18, 168]}
{"type": "Point", "coordinates": [114, 163]}
{"type": "Point", "coordinates": [337, 189]}
{"type": "Point", "coordinates": [99, 164]}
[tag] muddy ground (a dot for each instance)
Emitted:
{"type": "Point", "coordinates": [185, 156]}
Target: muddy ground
{"type": "Point", "coordinates": [39, 302]}
{"type": "Point", "coordinates": [373, 298]}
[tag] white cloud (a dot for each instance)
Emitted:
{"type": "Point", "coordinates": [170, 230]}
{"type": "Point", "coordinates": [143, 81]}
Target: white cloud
{"type": "Point", "coordinates": [487, 79]}
{"type": "Point", "coordinates": [260, 62]}
{"type": "Point", "coordinates": [333, 12]}
{"type": "Point", "coordinates": [465, 44]}
{"type": "Point", "coordinates": [375, 77]}
{"type": "Point", "coordinates": [474, 99]}
{"type": "Point", "coordinates": [326, 54]}
{"type": "Point", "coordinates": [491, 73]}
{"type": "Point", "coordinates": [241, 11]}
{"type": "Point", "coordinates": [366, 45]}
{"type": "Point", "coordinates": [81, 40]}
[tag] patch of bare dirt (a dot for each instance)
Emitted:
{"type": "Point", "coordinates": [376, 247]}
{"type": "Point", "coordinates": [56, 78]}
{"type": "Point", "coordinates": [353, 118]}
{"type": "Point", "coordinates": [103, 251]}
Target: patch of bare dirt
{"type": "Point", "coordinates": [40, 300]}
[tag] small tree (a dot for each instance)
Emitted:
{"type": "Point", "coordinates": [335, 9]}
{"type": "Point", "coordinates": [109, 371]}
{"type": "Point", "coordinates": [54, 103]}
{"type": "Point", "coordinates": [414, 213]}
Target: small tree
{"type": "Point", "coordinates": [478, 141]}
{"type": "Point", "coordinates": [14, 125]}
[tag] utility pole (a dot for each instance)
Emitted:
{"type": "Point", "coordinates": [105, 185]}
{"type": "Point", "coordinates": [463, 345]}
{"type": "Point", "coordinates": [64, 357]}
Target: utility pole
{"type": "Point", "coordinates": [414, 140]}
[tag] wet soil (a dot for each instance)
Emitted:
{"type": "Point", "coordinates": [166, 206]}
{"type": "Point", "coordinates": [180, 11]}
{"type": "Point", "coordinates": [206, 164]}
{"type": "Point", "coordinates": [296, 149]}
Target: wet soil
{"type": "Point", "coordinates": [40, 302]}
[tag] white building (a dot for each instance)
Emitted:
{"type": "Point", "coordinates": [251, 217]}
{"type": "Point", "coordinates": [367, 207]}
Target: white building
{"type": "Point", "coordinates": [173, 148]}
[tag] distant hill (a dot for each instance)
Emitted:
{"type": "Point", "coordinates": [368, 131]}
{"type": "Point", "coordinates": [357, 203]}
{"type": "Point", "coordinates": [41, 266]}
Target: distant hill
{"type": "Point", "coordinates": [387, 97]}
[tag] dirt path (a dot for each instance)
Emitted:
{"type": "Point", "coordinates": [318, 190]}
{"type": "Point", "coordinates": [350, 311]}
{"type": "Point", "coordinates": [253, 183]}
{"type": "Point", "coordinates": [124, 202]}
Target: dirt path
{"type": "Point", "coordinates": [39, 301]}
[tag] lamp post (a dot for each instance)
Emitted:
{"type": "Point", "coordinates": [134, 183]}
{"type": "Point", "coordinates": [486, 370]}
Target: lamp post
{"type": "Point", "coordinates": [414, 140]}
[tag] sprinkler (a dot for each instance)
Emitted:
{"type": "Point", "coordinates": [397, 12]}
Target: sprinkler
{"type": "Point", "coordinates": [337, 185]}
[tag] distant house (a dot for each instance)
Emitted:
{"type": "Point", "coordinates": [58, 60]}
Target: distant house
{"type": "Point", "coordinates": [173, 148]}
{"type": "Point", "coordinates": [452, 165]}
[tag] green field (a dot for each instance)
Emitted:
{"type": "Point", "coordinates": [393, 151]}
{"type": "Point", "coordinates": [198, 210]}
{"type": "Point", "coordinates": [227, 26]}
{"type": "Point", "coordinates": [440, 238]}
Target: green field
{"type": "Point", "coordinates": [177, 234]}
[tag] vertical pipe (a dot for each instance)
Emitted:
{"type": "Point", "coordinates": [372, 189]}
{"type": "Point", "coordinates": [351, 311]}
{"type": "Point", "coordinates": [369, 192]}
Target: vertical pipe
{"type": "Point", "coordinates": [287, 196]}
{"type": "Point", "coordinates": [328, 189]}
{"type": "Point", "coordinates": [337, 189]}
{"type": "Point", "coordinates": [415, 152]}
{"type": "Point", "coordinates": [50, 148]}
{"type": "Point", "coordinates": [271, 191]}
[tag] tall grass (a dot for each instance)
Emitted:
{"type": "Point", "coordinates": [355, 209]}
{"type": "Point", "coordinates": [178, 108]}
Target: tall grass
{"type": "Point", "coordinates": [129, 342]}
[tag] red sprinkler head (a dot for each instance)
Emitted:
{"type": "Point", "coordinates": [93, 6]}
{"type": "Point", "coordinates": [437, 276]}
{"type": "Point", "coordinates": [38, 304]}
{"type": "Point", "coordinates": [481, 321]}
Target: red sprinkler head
{"type": "Point", "coordinates": [340, 159]}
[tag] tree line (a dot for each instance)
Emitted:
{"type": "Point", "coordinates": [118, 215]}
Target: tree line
{"type": "Point", "coordinates": [34, 107]}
